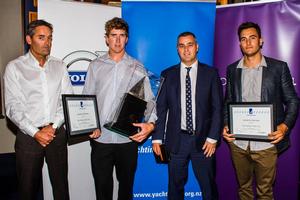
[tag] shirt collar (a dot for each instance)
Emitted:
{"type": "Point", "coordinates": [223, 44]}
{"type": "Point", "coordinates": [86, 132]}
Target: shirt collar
{"type": "Point", "coordinates": [106, 57]}
{"type": "Point", "coordinates": [262, 63]}
{"type": "Point", "coordinates": [35, 62]}
{"type": "Point", "coordinates": [193, 66]}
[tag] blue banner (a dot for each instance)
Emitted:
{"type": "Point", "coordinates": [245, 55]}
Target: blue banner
{"type": "Point", "coordinates": [154, 27]}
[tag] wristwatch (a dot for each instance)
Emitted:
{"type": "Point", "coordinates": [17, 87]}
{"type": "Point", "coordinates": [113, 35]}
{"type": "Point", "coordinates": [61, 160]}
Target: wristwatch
{"type": "Point", "coordinates": [54, 126]}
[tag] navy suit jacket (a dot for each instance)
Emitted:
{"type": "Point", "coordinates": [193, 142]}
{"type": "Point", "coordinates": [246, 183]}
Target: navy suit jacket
{"type": "Point", "coordinates": [209, 110]}
{"type": "Point", "coordinates": [277, 88]}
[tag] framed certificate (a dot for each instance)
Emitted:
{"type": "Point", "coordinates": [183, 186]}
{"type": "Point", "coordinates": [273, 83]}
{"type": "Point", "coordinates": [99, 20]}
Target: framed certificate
{"type": "Point", "coordinates": [81, 114]}
{"type": "Point", "coordinates": [252, 121]}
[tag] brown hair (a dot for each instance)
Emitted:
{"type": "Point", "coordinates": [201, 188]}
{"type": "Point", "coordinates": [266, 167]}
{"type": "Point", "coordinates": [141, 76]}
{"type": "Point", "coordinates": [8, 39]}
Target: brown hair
{"type": "Point", "coordinates": [116, 23]}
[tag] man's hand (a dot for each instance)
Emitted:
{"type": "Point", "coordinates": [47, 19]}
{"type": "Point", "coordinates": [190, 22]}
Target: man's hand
{"type": "Point", "coordinates": [209, 148]}
{"type": "Point", "coordinates": [45, 135]}
{"type": "Point", "coordinates": [145, 130]}
{"type": "Point", "coordinates": [279, 134]}
{"type": "Point", "coordinates": [227, 136]}
{"type": "Point", "coordinates": [96, 133]}
{"type": "Point", "coordinates": [156, 150]}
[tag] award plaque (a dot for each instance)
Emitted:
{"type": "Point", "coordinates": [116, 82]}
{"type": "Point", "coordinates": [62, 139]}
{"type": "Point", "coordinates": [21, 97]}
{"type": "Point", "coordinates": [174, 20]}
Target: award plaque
{"type": "Point", "coordinates": [165, 156]}
{"type": "Point", "coordinates": [131, 110]}
{"type": "Point", "coordinates": [81, 114]}
{"type": "Point", "coordinates": [252, 121]}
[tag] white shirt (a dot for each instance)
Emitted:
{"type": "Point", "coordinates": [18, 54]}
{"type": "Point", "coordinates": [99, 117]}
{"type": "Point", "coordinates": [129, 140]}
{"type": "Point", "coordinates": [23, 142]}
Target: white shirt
{"type": "Point", "coordinates": [251, 92]}
{"type": "Point", "coordinates": [33, 93]}
{"type": "Point", "coordinates": [109, 80]}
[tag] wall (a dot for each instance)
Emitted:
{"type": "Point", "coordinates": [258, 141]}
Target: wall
{"type": "Point", "coordinates": [11, 40]}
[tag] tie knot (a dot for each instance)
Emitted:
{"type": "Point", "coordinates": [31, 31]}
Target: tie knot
{"type": "Point", "coordinates": [188, 69]}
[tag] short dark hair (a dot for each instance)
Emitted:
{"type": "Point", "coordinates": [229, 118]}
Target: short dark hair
{"type": "Point", "coordinates": [32, 25]}
{"type": "Point", "coordinates": [116, 23]}
{"type": "Point", "coordinates": [247, 25]}
{"type": "Point", "coordinates": [186, 33]}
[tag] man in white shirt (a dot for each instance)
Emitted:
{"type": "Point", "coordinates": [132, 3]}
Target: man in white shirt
{"type": "Point", "coordinates": [34, 83]}
{"type": "Point", "coordinates": [108, 76]}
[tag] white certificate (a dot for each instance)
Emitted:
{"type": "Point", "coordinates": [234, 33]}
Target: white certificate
{"type": "Point", "coordinates": [251, 120]}
{"type": "Point", "coordinates": [81, 114]}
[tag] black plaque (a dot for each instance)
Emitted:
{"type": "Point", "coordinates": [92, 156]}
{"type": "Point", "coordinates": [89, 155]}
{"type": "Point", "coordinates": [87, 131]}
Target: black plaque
{"type": "Point", "coordinates": [131, 110]}
{"type": "Point", "coordinates": [165, 156]}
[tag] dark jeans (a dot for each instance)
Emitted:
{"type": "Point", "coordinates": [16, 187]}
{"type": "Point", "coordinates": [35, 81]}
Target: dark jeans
{"type": "Point", "coordinates": [104, 158]}
{"type": "Point", "coordinates": [29, 162]}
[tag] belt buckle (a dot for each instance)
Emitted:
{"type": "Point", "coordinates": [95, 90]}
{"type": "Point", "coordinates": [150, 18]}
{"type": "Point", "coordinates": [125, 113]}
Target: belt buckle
{"type": "Point", "coordinates": [189, 133]}
{"type": "Point", "coordinates": [192, 133]}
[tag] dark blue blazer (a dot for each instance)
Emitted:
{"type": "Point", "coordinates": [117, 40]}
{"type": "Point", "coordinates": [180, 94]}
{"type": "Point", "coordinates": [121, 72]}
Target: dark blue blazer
{"type": "Point", "coordinates": [209, 110]}
{"type": "Point", "coordinates": [277, 88]}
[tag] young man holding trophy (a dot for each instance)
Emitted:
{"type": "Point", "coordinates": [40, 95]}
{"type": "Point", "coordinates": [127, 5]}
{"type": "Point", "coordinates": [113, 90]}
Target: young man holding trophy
{"type": "Point", "coordinates": [123, 92]}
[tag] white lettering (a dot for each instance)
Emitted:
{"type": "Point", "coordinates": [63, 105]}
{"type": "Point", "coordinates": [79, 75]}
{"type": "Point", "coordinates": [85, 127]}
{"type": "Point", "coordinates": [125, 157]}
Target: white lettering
{"type": "Point", "coordinates": [82, 77]}
{"type": "Point", "coordinates": [143, 149]}
{"type": "Point", "coordinates": [223, 80]}
{"type": "Point", "coordinates": [294, 81]}
{"type": "Point", "coordinates": [75, 78]}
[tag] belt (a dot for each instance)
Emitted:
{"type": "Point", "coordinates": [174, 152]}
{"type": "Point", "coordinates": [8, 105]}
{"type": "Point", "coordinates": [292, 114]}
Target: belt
{"type": "Point", "coordinates": [191, 133]}
{"type": "Point", "coordinates": [41, 127]}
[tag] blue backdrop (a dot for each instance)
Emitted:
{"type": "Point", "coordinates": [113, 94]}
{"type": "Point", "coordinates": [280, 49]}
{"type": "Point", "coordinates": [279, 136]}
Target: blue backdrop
{"type": "Point", "coordinates": [154, 27]}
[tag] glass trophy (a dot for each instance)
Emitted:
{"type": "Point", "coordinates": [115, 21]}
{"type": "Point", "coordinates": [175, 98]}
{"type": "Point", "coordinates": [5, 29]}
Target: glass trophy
{"type": "Point", "coordinates": [132, 105]}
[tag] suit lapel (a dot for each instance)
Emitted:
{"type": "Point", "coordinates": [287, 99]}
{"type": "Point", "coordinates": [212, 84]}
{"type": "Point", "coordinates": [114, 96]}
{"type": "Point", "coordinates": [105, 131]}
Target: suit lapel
{"type": "Point", "coordinates": [238, 86]}
{"type": "Point", "coordinates": [200, 83]}
{"type": "Point", "coordinates": [266, 78]}
{"type": "Point", "coordinates": [177, 86]}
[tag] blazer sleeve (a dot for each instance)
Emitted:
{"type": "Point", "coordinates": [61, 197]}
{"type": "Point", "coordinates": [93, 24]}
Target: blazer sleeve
{"type": "Point", "coordinates": [217, 107]}
{"type": "Point", "coordinates": [162, 111]}
{"type": "Point", "coordinates": [228, 96]}
{"type": "Point", "coordinates": [290, 97]}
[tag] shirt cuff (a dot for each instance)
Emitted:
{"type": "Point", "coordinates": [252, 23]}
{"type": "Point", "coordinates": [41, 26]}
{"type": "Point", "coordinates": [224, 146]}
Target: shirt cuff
{"type": "Point", "coordinates": [57, 123]}
{"type": "Point", "coordinates": [54, 126]}
{"type": "Point", "coordinates": [157, 141]}
{"type": "Point", "coordinates": [213, 141]}
{"type": "Point", "coordinates": [31, 130]}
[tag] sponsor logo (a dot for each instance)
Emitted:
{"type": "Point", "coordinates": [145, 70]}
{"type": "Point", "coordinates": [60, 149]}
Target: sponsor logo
{"type": "Point", "coordinates": [77, 78]}
{"type": "Point", "coordinates": [250, 111]}
{"type": "Point", "coordinates": [77, 64]}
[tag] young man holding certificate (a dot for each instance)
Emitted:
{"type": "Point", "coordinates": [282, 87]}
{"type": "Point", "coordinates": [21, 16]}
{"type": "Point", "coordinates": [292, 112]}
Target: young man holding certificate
{"type": "Point", "coordinates": [110, 77]}
{"type": "Point", "coordinates": [257, 78]}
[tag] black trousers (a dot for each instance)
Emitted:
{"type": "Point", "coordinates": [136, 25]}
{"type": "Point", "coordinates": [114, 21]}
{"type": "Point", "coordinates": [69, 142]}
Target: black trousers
{"type": "Point", "coordinates": [30, 159]}
{"type": "Point", "coordinates": [104, 158]}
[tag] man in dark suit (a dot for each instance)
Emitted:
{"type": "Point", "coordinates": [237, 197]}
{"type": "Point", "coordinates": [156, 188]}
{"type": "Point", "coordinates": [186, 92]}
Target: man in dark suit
{"type": "Point", "coordinates": [189, 110]}
{"type": "Point", "coordinates": [257, 78]}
